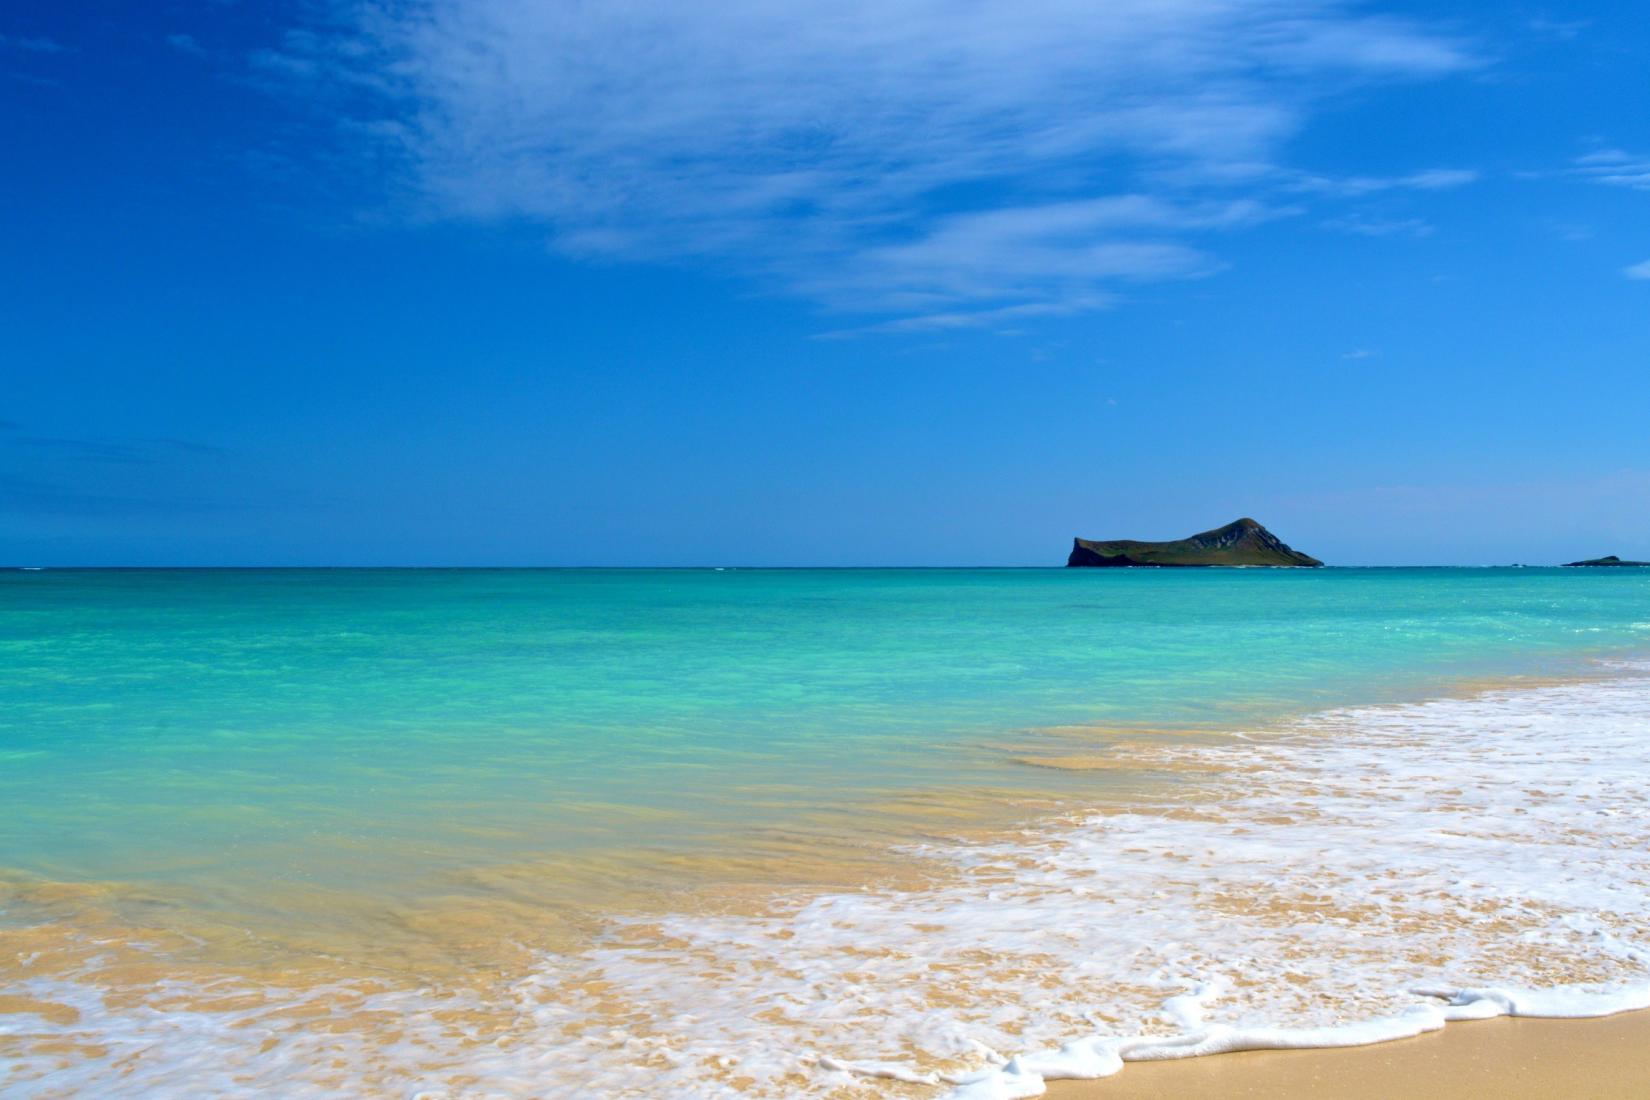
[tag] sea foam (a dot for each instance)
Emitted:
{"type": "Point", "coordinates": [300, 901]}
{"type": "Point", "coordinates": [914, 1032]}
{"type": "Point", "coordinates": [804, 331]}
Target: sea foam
{"type": "Point", "coordinates": [1363, 875]}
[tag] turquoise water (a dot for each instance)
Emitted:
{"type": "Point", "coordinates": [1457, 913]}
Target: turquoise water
{"type": "Point", "coordinates": [232, 732]}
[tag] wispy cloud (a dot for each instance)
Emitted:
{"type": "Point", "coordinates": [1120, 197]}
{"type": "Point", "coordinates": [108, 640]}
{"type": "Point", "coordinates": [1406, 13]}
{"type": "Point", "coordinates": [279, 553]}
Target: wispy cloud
{"type": "Point", "coordinates": [943, 164]}
{"type": "Point", "coordinates": [1001, 318]}
{"type": "Point", "coordinates": [1637, 271]}
{"type": "Point", "coordinates": [32, 45]}
{"type": "Point", "coordinates": [1562, 29]}
{"type": "Point", "coordinates": [1615, 167]}
{"type": "Point", "coordinates": [1366, 226]}
{"type": "Point", "coordinates": [1433, 179]}
{"type": "Point", "coordinates": [1050, 256]}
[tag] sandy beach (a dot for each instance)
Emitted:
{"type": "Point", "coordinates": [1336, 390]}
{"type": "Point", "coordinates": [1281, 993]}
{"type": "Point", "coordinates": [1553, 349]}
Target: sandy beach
{"type": "Point", "coordinates": [1033, 901]}
{"type": "Point", "coordinates": [1508, 1058]}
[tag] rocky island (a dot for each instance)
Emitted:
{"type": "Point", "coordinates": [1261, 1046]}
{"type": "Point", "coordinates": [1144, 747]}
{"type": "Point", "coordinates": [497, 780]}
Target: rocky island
{"type": "Point", "coordinates": [1606, 561]}
{"type": "Point", "coordinates": [1243, 543]}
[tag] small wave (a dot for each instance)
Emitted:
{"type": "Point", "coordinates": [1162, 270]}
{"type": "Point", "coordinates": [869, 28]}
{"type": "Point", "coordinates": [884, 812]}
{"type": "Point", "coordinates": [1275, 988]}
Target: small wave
{"type": "Point", "coordinates": [1360, 876]}
{"type": "Point", "coordinates": [1089, 1059]}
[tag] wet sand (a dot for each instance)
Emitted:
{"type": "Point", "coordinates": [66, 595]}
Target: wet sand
{"type": "Point", "coordinates": [1507, 1058]}
{"type": "Point", "coordinates": [337, 1004]}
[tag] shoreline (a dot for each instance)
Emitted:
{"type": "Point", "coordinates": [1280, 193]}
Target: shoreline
{"type": "Point", "coordinates": [1510, 1057]}
{"type": "Point", "coordinates": [885, 844]}
{"type": "Point", "coordinates": [1074, 862]}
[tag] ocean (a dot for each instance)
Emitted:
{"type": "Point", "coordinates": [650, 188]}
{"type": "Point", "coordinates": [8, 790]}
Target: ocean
{"type": "Point", "coordinates": [799, 832]}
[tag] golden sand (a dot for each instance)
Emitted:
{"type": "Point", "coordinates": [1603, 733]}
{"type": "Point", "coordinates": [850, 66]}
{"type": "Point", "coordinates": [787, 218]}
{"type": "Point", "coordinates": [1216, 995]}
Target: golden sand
{"type": "Point", "coordinates": [1508, 1059]}
{"type": "Point", "coordinates": [485, 924]}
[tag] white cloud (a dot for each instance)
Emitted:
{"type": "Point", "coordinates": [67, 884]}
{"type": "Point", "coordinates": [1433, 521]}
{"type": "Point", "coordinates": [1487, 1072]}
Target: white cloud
{"type": "Point", "coordinates": [1433, 179]}
{"type": "Point", "coordinates": [1055, 253]}
{"type": "Point", "coordinates": [1616, 168]}
{"type": "Point", "coordinates": [1365, 226]}
{"type": "Point", "coordinates": [977, 318]}
{"type": "Point", "coordinates": [1637, 271]}
{"type": "Point", "coordinates": [933, 160]}
{"type": "Point", "coordinates": [1437, 178]}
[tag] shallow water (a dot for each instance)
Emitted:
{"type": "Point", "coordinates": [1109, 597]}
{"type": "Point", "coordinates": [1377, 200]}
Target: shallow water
{"type": "Point", "coordinates": [290, 781]}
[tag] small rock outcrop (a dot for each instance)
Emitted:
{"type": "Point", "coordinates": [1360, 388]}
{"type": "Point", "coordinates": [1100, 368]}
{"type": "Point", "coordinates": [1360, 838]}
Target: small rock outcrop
{"type": "Point", "coordinates": [1243, 543]}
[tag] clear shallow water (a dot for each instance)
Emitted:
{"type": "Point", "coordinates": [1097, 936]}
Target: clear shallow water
{"type": "Point", "coordinates": [403, 774]}
{"type": "Point", "coordinates": [241, 732]}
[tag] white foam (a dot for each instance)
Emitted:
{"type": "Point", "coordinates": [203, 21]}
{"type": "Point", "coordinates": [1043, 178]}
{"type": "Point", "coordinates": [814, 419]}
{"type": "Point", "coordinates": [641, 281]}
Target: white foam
{"type": "Point", "coordinates": [1367, 875]}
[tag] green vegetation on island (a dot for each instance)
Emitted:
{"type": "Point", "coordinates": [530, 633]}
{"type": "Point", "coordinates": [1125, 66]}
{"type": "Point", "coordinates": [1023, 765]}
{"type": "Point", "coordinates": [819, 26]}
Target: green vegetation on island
{"type": "Point", "coordinates": [1605, 561]}
{"type": "Point", "coordinates": [1243, 543]}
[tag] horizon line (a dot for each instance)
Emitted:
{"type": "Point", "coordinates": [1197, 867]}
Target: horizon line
{"type": "Point", "coordinates": [752, 568]}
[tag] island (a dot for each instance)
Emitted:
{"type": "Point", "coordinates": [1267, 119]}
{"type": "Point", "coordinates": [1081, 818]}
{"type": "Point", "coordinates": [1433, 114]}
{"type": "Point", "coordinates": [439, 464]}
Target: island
{"type": "Point", "coordinates": [1612, 560]}
{"type": "Point", "coordinates": [1240, 544]}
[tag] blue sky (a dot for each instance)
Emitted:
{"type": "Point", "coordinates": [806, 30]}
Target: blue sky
{"type": "Point", "coordinates": [505, 282]}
